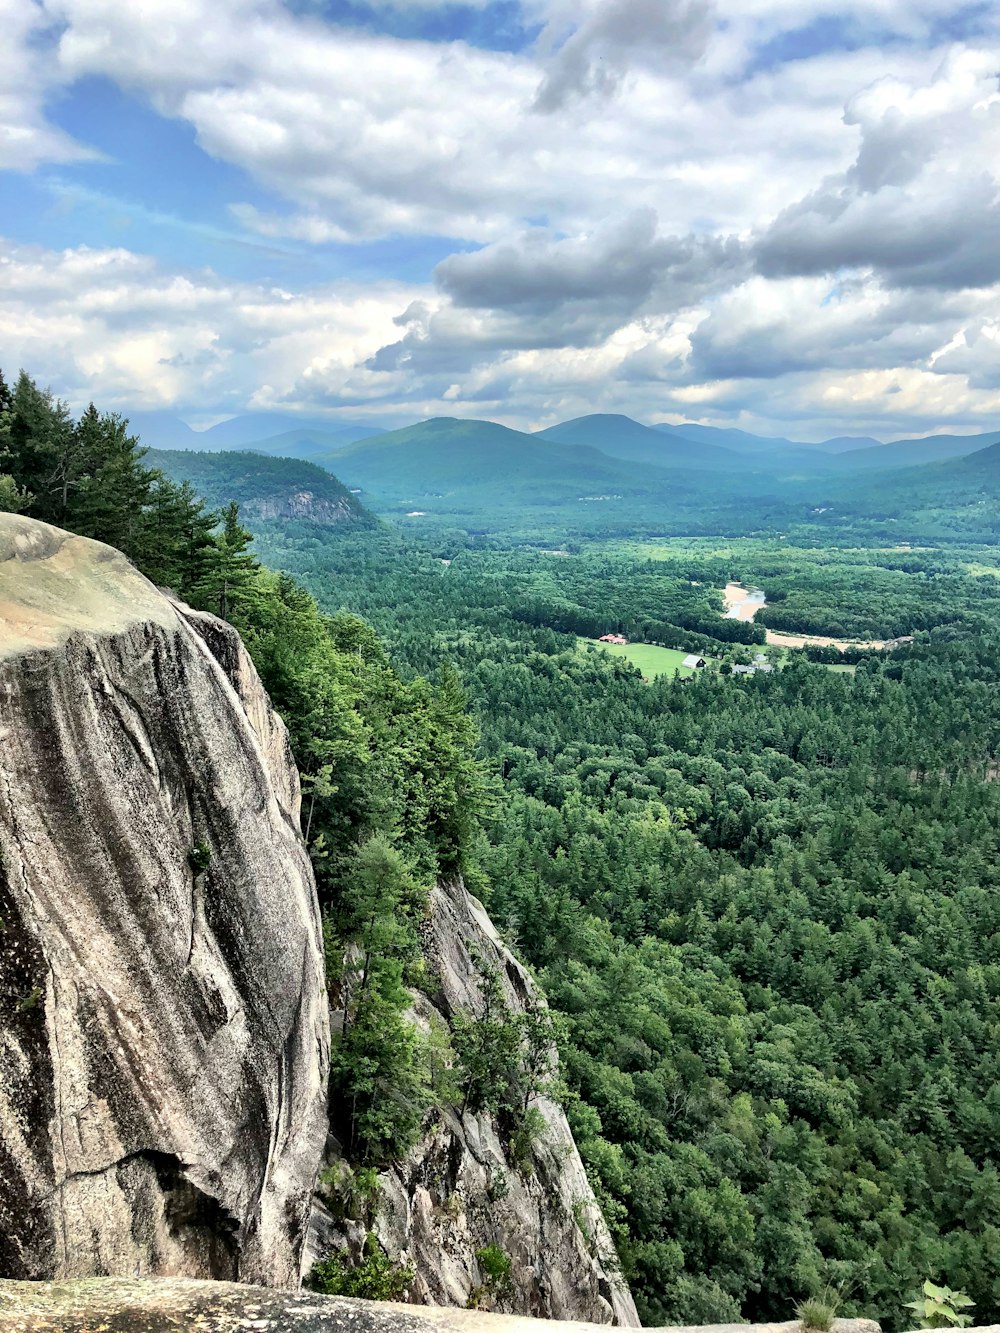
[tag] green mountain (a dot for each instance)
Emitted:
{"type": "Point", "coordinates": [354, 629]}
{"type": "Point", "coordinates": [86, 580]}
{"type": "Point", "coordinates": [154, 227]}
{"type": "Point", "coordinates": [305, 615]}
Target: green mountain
{"type": "Point", "coordinates": [788, 457]}
{"type": "Point", "coordinates": [740, 441]}
{"type": "Point", "coordinates": [621, 437]}
{"type": "Point", "coordinates": [907, 453]}
{"type": "Point", "coordinates": [263, 487]}
{"type": "Point", "coordinates": [446, 464]}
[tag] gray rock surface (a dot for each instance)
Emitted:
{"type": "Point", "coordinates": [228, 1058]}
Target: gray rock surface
{"type": "Point", "coordinates": [163, 1033]}
{"type": "Point", "coordinates": [117, 1306]}
{"type": "Point", "coordinates": [301, 504]}
{"type": "Point", "coordinates": [458, 1192]}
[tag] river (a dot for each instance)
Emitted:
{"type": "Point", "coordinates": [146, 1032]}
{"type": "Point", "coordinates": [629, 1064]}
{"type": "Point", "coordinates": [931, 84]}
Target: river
{"type": "Point", "coordinates": [744, 603]}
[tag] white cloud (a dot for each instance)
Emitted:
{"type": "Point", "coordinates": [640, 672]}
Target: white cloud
{"type": "Point", "coordinates": [620, 229]}
{"type": "Point", "coordinates": [113, 325]}
{"type": "Point", "coordinates": [615, 36]}
{"type": "Point", "coordinates": [921, 202]}
{"type": "Point", "coordinates": [367, 136]}
{"type": "Point", "coordinates": [26, 137]}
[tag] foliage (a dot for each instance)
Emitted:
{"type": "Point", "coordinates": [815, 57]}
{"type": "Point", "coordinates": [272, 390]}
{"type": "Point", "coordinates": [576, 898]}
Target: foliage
{"type": "Point", "coordinates": [765, 907]}
{"type": "Point", "coordinates": [818, 1312]}
{"type": "Point", "coordinates": [375, 1278]}
{"type": "Point", "coordinates": [504, 1059]}
{"type": "Point", "coordinates": [349, 1192]}
{"type": "Point", "coordinates": [250, 478]}
{"type": "Point", "coordinates": [494, 1264]}
{"type": "Point", "coordinates": [379, 1076]}
{"type": "Point", "coordinates": [11, 499]}
{"type": "Point", "coordinates": [940, 1307]}
{"type": "Point", "coordinates": [199, 858]}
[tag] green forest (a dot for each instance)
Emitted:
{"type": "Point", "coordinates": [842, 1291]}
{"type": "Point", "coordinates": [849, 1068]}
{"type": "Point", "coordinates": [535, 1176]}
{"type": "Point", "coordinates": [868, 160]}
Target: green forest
{"type": "Point", "coordinates": [765, 908]}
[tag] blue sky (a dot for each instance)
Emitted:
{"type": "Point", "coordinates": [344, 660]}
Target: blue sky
{"type": "Point", "coordinates": [778, 215]}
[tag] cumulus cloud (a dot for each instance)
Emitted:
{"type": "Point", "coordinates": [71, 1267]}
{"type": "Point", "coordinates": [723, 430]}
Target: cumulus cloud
{"type": "Point", "coordinates": [117, 326]}
{"type": "Point", "coordinates": [368, 136]}
{"type": "Point", "coordinates": [920, 205]}
{"type": "Point", "coordinates": [545, 291]}
{"type": "Point", "coordinates": [697, 220]}
{"type": "Point", "coordinates": [26, 137]}
{"type": "Point", "coordinates": [614, 37]}
{"type": "Point", "coordinates": [613, 270]}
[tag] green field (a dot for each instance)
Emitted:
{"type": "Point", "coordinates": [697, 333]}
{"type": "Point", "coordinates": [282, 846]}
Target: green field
{"type": "Point", "coordinates": [650, 659]}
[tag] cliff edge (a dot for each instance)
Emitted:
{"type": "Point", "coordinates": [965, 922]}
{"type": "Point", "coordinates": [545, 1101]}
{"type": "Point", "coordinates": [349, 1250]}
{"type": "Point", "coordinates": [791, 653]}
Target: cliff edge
{"type": "Point", "coordinates": [461, 1190]}
{"type": "Point", "coordinates": [163, 1019]}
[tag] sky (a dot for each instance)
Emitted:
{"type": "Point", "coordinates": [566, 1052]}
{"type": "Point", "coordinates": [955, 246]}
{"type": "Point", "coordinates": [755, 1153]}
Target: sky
{"type": "Point", "coordinates": [782, 215]}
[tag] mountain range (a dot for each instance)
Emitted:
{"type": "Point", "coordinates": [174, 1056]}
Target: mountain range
{"type": "Point", "coordinates": [687, 445]}
{"type": "Point", "coordinates": [610, 469]}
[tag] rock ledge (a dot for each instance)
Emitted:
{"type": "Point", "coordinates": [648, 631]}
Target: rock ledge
{"type": "Point", "coordinates": [122, 1305]}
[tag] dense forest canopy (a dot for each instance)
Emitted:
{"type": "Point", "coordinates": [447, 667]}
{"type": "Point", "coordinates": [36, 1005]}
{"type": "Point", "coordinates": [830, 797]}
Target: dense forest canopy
{"type": "Point", "coordinates": [764, 907]}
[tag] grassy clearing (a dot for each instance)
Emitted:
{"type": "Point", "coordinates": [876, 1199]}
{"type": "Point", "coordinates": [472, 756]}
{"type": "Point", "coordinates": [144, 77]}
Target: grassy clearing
{"type": "Point", "coordinates": [651, 660]}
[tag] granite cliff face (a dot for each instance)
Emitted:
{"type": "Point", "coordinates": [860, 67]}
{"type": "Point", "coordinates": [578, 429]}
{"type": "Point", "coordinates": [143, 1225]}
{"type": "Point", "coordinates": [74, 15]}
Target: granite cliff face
{"type": "Point", "coordinates": [163, 1019]}
{"type": "Point", "coordinates": [301, 504]}
{"type": "Point", "coordinates": [458, 1191]}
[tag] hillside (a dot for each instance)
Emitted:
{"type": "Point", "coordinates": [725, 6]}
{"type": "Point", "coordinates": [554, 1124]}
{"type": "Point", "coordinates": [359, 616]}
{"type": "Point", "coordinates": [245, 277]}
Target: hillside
{"type": "Point", "coordinates": [264, 487]}
{"type": "Point", "coordinates": [958, 499]}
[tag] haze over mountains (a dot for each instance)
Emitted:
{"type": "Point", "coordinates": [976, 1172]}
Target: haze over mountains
{"type": "Point", "coordinates": [616, 435]}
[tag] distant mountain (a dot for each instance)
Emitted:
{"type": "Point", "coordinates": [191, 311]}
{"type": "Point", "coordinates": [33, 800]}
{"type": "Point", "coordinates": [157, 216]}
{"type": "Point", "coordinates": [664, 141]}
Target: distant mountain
{"type": "Point", "coordinates": [841, 444]}
{"type": "Point", "coordinates": [984, 463]}
{"type": "Point", "coordinates": [731, 438]}
{"type": "Point", "coordinates": [164, 430]}
{"type": "Point", "coordinates": [445, 462]}
{"type": "Point", "coordinates": [312, 443]}
{"type": "Point", "coordinates": [621, 437]}
{"type": "Point", "coordinates": [727, 437]}
{"type": "Point", "coordinates": [239, 432]}
{"type": "Point", "coordinates": [768, 451]}
{"type": "Point", "coordinates": [264, 487]}
{"type": "Point", "coordinates": [908, 453]}
{"type": "Point", "coordinates": [949, 500]}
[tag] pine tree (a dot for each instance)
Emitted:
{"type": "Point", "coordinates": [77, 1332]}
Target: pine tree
{"type": "Point", "coordinates": [40, 439]}
{"type": "Point", "coordinates": [227, 586]}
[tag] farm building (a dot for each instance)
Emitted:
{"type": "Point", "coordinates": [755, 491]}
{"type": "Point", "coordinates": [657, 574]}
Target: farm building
{"type": "Point", "coordinates": [613, 638]}
{"type": "Point", "coordinates": [693, 660]}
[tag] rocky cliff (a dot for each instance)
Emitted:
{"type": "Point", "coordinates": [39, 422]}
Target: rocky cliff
{"type": "Point", "coordinates": [460, 1190]}
{"type": "Point", "coordinates": [163, 1021]}
{"type": "Point", "coordinates": [302, 504]}
{"type": "Point", "coordinates": [164, 1026]}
